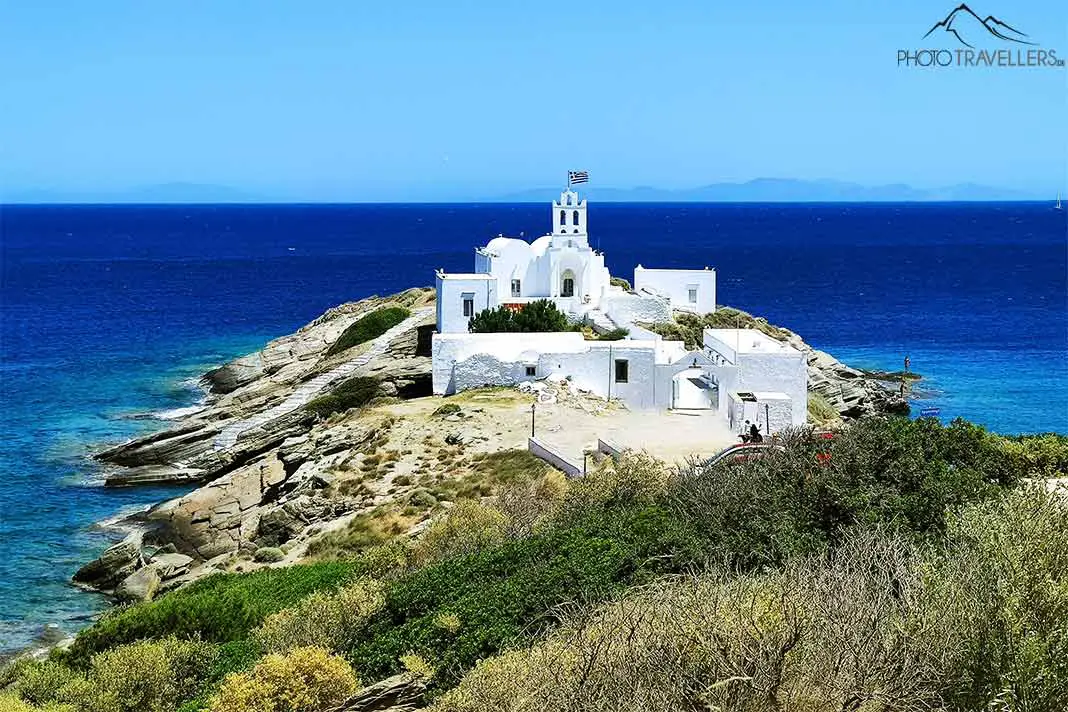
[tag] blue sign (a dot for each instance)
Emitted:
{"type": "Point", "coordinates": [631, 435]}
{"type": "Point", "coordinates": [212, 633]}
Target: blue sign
{"type": "Point", "coordinates": [930, 412]}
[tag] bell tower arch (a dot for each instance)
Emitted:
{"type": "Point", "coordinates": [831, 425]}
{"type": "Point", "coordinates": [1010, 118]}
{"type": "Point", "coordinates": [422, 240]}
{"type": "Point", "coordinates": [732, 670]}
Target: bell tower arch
{"type": "Point", "coordinates": [569, 217]}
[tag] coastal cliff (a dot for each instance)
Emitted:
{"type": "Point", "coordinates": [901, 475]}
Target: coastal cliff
{"type": "Point", "coordinates": [274, 475]}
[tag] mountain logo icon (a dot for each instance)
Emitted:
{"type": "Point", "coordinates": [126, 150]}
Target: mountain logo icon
{"type": "Point", "coordinates": [964, 24]}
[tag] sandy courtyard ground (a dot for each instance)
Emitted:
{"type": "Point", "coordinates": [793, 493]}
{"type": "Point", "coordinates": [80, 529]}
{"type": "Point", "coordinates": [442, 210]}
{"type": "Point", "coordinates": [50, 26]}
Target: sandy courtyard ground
{"type": "Point", "coordinates": [500, 419]}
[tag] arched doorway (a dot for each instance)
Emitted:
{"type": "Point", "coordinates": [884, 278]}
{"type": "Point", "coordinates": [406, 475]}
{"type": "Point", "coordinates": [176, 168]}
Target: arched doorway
{"type": "Point", "coordinates": [567, 283]}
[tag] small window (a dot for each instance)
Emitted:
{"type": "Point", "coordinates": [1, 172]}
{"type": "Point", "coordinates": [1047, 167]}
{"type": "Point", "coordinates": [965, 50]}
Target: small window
{"type": "Point", "coordinates": [692, 294]}
{"type": "Point", "coordinates": [532, 370]}
{"type": "Point", "coordinates": [574, 218]}
{"type": "Point", "coordinates": [563, 217]}
{"type": "Point", "coordinates": [515, 287]}
{"type": "Point", "coordinates": [622, 370]}
{"type": "Point", "coordinates": [469, 306]}
{"type": "Point", "coordinates": [568, 288]}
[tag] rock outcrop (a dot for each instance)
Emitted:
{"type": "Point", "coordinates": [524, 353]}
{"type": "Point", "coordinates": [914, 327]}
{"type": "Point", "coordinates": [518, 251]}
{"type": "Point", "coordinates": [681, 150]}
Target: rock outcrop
{"type": "Point", "coordinates": [267, 486]}
{"type": "Point", "coordinates": [400, 693]}
{"type": "Point", "coordinates": [114, 565]}
{"type": "Point", "coordinates": [847, 390]}
{"type": "Point", "coordinates": [140, 585]}
{"type": "Point", "coordinates": [249, 387]}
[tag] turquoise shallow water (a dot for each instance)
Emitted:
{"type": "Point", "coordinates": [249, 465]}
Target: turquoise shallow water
{"type": "Point", "coordinates": [110, 312]}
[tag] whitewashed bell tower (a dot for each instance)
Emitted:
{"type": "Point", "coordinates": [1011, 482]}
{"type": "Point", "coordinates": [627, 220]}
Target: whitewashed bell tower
{"type": "Point", "coordinates": [569, 218]}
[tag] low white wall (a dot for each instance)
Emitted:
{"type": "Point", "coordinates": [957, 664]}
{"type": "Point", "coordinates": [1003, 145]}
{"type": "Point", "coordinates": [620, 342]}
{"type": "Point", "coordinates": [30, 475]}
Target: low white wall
{"type": "Point", "coordinates": [609, 448]}
{"type": "Point", "coordinates": [554, 457]}
{"type": "Point", "coordinates": [676, 284]}
{"type": "Point", "coordinates": [780, 413]}
{"type": "Point", "coordinates": [779, 409]}
{"type": "Point", "coordinates": [500, 356]}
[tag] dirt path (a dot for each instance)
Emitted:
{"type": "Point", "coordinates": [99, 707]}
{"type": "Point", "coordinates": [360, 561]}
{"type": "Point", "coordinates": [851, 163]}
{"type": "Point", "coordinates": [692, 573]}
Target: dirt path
{"type": "Point", "coordinates": [500, 419]}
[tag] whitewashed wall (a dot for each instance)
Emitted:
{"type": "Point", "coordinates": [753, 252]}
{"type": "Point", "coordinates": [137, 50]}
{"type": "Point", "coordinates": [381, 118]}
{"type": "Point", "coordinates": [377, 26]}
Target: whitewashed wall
{"type": "Point", "coordinates": [515, 350]}
{"type": "Point", "coordinates": [595, 370]}
{"type": "Point", "coordinates": [780, 410]}
{"type": "Point", "coordinates": [450, 307]}
{"type": "Point", "coordinates": [675, 284]}
{"type": "Point", "coordinates": [785, 373]}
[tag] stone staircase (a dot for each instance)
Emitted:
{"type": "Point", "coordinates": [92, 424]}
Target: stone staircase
{"type": "Point", "coordinates": [313, 388]}
{"type": "Point", "coordinates": [600, 321]}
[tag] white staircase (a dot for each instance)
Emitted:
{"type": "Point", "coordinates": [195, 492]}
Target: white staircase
{"type": "Point", "coordinates": [600, 321]}
{"type": "Point", "coordinates": [307, 391]}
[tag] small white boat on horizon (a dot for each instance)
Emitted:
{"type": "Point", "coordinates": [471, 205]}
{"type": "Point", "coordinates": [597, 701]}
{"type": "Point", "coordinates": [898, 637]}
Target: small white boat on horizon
{"type": "Point", "coordinates": [1058, 205]}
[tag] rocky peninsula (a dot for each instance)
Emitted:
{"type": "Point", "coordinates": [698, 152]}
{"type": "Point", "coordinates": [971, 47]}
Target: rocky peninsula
{"type": "Point", "coordinates": [275, 479]}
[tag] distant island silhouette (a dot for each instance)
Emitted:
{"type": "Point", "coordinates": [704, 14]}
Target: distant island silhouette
{"type": "Point", "coordinates": [769, 190]}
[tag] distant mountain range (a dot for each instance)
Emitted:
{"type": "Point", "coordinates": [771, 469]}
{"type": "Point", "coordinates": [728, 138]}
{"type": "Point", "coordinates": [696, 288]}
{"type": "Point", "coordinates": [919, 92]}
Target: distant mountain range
{"type": "Point", "coordinates": [786, 190]}
{"type": "Point", "coordinates": [759, 190]}
{"type": "Point", "coordinates": [158, 193]}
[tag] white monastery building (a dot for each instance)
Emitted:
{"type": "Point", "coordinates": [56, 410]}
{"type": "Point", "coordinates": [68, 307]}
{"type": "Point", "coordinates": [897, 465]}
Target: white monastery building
{"type": "Point", "coordinates": [741, 373]}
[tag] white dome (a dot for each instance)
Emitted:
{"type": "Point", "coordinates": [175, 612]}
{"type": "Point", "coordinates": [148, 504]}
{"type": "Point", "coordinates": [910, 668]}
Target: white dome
{"type": "Point", "coordinates": [501, 244]}
{"type": "Point", "coordinates": [539, 246]}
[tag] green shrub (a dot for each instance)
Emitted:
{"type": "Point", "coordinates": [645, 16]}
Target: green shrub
{"type": "Point", "coordinates": [820, 411]}
{"type": "Point", "coordinates": [998, 598]}
{"type": "Point", "coordinates": [39, 681]}
{"type": "Point", "coordinates": [465, 528]}
{"type": "Point", "coordinates": [880, 470]}
{"type": "Point", "coordinates": [537, 316]}
{"type": "Point", "coordinates": [1039, 456]}
{"type": "Point", "coordinates": [972, 623]}
{"type": "Point", "coordinates": [330, 620]}
{"type": "Point", "coordinates": [351, 393]}
{"type": "Point", "coordinates": [233, 657]}
{"type": "Point", "coordinates": [365, 531]}
{"type": "Point", "coordinates": [690, 327]}
{"type": "Point", "coordinates": [614, 334]}
{"type": "Point", "coordinates": [620, 282]}
{"type": "Point", "coordinates": [369, 327]}
{"type": "Point", "coordinates": [219, 608]}
{"type": "Point", "coordinates": [446, 409]}
{"type": "Point", "coordinates": [305, 680]}
{"type": "Point", "coordinates": [269, 554]}
{"type": "Point", "coordinates": [502, 594]}
{"type": "Point", "coordinates": [10, 702]}
{"type": "Point", "coordinates": [148, 676]}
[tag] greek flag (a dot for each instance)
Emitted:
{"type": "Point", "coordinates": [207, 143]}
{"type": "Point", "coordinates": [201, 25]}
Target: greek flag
{"type": "Point", "coordinates": [576, 177]}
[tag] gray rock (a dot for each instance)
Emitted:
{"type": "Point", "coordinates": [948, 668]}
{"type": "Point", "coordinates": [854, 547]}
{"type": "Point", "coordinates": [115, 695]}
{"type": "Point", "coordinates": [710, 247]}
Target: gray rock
{"type": "Point", "coordinates": [171, 565]}
{"type": "Point", "coordinates": [117, 562]}
{"type": "Point", "coordinates": [282, 523]}
{"type": "Point", "coordinates": [237, 373]}
{"type": "Point", "coordinates": [139, 586]}
{"type": "Point", "coordinates": [400, 693]}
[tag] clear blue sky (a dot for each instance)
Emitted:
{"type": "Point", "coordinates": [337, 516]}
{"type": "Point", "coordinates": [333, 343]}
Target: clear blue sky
{"type": "Point", "coordinates": [405, 100]}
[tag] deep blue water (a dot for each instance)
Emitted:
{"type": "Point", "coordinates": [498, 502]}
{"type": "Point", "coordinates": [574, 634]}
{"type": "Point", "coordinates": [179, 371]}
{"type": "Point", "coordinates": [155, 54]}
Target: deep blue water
{"type": "Point", "coordinates": [110, 311]}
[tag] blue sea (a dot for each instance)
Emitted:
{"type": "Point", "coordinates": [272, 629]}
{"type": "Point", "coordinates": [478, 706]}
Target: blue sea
{"type": "Point", "coordinates": [110, 313]}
